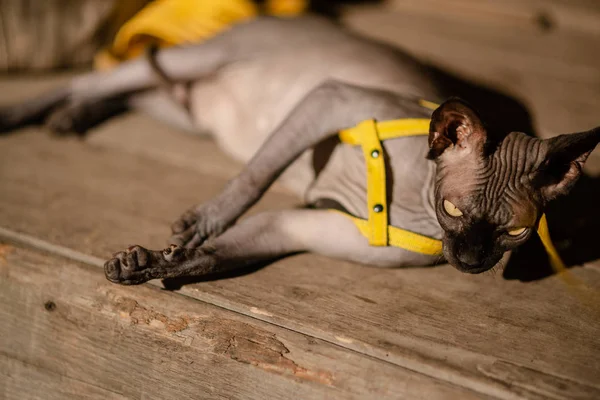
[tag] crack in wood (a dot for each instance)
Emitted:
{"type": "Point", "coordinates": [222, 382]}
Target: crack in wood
{"type": "Point", "coordinates": [239, 341]}
{"type": "Point", "coordinates": [139, 314]}
{"type": "Point", "coordinates": [262, 349]}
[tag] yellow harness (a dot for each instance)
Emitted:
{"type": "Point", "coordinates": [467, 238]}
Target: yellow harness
{"type": "Point", "coordinates": [369, 134]}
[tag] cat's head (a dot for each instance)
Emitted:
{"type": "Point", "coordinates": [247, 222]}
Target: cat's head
{"type": "Point", "coordinates": [490, 192]}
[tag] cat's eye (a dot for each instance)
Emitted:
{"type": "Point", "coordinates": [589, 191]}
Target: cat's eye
{"type": "Point", "coordinates": [516, 232]}
{"type": "Point", "coordinates": [451, 209]}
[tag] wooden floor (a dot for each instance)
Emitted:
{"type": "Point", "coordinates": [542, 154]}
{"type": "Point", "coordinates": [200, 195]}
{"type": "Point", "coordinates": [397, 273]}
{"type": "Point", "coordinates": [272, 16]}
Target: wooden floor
{"type": "Point", "coordinates": [305, 327]}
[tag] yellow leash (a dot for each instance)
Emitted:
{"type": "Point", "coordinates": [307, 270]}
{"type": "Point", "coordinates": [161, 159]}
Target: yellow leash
{"type": "Point", "coordinates": [369, 134]}
{"type": "Point", "coordinates": [544, 234]}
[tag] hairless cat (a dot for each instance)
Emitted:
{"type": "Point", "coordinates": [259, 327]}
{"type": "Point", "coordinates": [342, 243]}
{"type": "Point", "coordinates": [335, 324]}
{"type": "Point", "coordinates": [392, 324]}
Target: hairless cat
{"type": "Point", "coordinates": [274, 93]}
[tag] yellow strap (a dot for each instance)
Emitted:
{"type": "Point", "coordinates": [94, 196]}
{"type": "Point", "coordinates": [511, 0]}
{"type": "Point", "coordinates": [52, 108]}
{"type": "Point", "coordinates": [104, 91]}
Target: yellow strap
{"type": "Point", "coordinates": [428, 104]}
{"type": "Point", "coordinates": [579, 288]}
{"type": "Point", "coordinates": [425, 245]}
{"type": "Point", "coordinates": [402, 128]}
{"type": "Point", "coordinates": [544, 234]}
{"type": "Point", "coordinates": [367, 136]}
{"type": "Point", "coordinates": [402, 238]}
{"type": "Point", "coordinates": [386, 130]}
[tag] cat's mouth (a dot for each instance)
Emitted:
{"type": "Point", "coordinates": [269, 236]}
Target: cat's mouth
{"type": "Point", "coordinates": [485, 264]}
{"type": "Point", "coordinates": [470, 269]}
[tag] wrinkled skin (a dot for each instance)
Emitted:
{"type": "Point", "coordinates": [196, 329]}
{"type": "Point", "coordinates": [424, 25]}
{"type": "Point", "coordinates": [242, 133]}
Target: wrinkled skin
{"type": "Point", "coordinates": [499, 187]}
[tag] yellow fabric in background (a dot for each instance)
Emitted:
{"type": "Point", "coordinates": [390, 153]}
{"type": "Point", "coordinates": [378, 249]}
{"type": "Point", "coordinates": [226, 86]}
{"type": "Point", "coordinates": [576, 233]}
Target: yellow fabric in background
{"type": "Point", "coordinates": [172, 22]}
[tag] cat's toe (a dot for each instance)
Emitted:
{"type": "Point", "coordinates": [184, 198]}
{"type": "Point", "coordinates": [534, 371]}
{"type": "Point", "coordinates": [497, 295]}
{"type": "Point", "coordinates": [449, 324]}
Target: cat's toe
{"type": "Point", "coordinates": [128, 267]}
{"type": "Point", "coordinates": [173, 253]}
{"type": "Point", "coordinates": [138, 265]}
{"type": "Point", "coordinates": [112, 269]}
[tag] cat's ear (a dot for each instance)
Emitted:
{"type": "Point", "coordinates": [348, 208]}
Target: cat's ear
{"type": "Point", "coordinates": [455, 127]}
{"type": "Point", "coordinates": [563, 162]}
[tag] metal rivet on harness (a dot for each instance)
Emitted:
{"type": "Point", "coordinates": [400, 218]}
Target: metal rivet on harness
{"type": "Point", "coordinates": [378, 208]}
{"type": "Point", "coordinates": [375, 154]}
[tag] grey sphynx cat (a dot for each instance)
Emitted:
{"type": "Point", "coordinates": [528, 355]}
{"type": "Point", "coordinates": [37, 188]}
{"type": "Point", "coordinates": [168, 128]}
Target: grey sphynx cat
{"type": "Point", "coordinates": [271, 92]}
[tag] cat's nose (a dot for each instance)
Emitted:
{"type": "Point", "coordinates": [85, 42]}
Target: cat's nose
{"type": "Point", "coordinates": [469, 259]}
{"type": "Point", "coordinates": [470, 262]}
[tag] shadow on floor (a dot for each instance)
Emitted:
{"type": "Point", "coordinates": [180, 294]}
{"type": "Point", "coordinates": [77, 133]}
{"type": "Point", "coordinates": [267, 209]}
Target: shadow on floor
{"type": "Point", "coordinates": [178, 283]}
{"type": "Point", "coordinates": [574, 221]}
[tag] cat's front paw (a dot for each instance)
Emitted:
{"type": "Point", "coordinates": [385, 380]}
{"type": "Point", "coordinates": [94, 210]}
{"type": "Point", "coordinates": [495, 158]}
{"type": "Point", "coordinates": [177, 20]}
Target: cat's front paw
{"type": "Point", "coordinates": [198, 224]}
{"type": "Point", "coordinates": [138, 265]}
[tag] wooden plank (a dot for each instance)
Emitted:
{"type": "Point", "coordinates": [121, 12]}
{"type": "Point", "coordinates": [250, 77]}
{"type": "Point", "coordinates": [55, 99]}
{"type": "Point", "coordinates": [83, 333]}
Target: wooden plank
{"type": "Point", "coordinates": [20, 380]}
{"type": "Point", "coordinates": [500, 338]}
{"type": "Point", "coordinates": [74, 335]}
{"type": "Point", "coordinates": [582, 16]}
{"type": "Point", "coordinates": [500, 44]}
{"type": "Point", "coordinates": [497, 55]}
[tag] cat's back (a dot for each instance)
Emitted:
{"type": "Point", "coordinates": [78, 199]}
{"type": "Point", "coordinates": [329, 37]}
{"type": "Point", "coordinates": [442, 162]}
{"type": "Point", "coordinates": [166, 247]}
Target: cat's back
{"type": "Point", "coordinates": [248, 99]}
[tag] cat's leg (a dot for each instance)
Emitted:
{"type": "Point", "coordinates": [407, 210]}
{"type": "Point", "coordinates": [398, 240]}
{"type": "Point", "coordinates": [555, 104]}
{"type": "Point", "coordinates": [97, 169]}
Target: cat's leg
{"type": "Point", "coordinates": [79, 117]}
{"type": "Point", "coordinates": [176, 64]}
{"type": "Point", "coordinates": [33, 111]}
{"type": "Point", "coordinates": [265, 236]}
{"type": "Point", "coordinates": [162, 107]}
{"type": "Point", "coordinates": [327, 109]}
{"type": "Point", "coordinates": [109, 90]}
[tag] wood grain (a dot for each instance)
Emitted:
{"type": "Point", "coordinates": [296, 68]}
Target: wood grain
{"type": "Point", "coordinates": [543, 52]}
{"type": "Point", "coordinates": [565, 15]}
{"type": "Point", "coordinates": [492, 336]}
{"type": "Point", "coordinates": [69, 334]}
